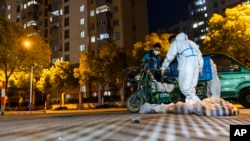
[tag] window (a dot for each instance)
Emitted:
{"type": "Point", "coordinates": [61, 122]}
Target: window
{"type": "Point", "coordinates": [18, 18]}
{"type": "Point", "coordinates": [66, 1]}
{"type": "Point", "coordinates": [18, 8]}
{"type": "Point", "coordinates": [66, 46]}
{"type": "Point", "coordinates": [225, 65]}
{"type": "Point", "coordinates": [107, 93]}
{"type": "Point", "coordinates": [82, 34]}
{"type": "Point", "coordinates": [103, 36]}
{"type": "Point", "coordinates": [82, 8]}
{"type": "Point", "coordinates": [115, 9]}
{"type": "Point", "coordinates": [66, 10]}
{"type": "Point", "coordinates": [82, 21]}
{"type": "Point", "coordinates": [92, 40]}
{"type": "Point", "coordinates": [82, 47]}
{"type": "Point", "coordinates": [115, 22]}
{"type": "Point", "coordinates": [92, 13]}
{"type": "Point", "coordinates": [102, 22]}
{"type": "Point", "coordinates": [66, 34]}
{"type": "Point", "coordinates": [92, 26]}
{"type": "Point", "coordinates": [66, 22]}
{"type": "Point", "coordinates": [116, 36]}
{"type": "Point", "coordinates": [66, 58]}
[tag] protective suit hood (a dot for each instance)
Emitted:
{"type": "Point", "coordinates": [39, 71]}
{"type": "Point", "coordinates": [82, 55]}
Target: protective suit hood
{"type": "Point", "coordinates": [181, 36]}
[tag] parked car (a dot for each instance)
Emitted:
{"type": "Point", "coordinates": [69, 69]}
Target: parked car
{"type": "Point", "coordinates": [234, 78]}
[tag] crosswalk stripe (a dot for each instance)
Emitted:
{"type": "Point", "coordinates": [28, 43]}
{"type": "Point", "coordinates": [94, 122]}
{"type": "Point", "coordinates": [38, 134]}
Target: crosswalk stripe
{"type": "Point", "coordinates": [144, 131]}
{"type": "Point", "coordinates": [184, 128]}
{"type": "Point", "coordinates": [204, 125]}
{"type": "Point", "coordinates": [197, 130]}
{"type": "Point", "coordinates": [156, 130]}
{"type": "Point", "coordinates": [170, 132]}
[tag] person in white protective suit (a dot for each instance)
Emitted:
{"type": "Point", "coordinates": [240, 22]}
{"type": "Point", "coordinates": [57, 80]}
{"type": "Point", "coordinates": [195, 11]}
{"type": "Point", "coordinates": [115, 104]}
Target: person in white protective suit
{"type": "Point", "coordinates": [214, 86]}
{"type": "Point", "coordinates": [190, 64]}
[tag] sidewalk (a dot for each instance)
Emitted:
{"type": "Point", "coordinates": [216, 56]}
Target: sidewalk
{"type": "Point", "coordinates": [66, 111]}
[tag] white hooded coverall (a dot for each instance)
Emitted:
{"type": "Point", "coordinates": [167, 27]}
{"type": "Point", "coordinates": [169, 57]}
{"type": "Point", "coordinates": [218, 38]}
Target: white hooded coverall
{"type": "Point", "coordinates": [214, 86]}
{"type": "Point", "coordinates": [190, 64]}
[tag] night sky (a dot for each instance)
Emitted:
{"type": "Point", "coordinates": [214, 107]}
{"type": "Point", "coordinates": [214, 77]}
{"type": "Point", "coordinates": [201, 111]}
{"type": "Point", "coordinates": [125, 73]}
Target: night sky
{"type": "Point", "coordinates": [166, 12]}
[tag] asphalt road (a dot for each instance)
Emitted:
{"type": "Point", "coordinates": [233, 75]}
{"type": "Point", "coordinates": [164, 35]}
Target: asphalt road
{"type": "Point", "coordinates": [117, 126]}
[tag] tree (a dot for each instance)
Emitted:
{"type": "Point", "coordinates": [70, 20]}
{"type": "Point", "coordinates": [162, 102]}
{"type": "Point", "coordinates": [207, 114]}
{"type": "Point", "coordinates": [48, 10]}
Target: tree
{"type": "Point", "coordinates": [59, 77]}
{"type": "Point", "coordinates": [83, 72]}
{"type": "Point", "coordinates": [230, 34]}
{"type": "Point", "coordinates": [106, 68]}
{"type": "Point", "coordinates": [14, 56]}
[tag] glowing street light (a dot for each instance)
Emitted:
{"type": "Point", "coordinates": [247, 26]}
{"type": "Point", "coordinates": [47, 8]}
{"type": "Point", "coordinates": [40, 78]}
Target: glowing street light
{"type": "Point", "coordinates": [28, 45]}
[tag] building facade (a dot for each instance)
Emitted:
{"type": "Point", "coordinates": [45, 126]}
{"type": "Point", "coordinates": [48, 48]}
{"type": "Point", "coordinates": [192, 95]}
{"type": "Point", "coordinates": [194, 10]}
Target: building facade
{"type": "Point", "coordinates": [72, 27]}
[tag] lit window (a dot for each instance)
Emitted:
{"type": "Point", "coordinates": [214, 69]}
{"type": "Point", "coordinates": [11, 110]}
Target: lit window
{"type": "Point", "coordinates": [94, 94]}
{"type": "Point", "coordinates": [82, 47]}
{"type": "Point", "coordinates": [9, 16]}
{"type": "Point", "coordinates": [9, 7]}
{"type": "Point", "coordinates": [92, 39]}
{"type": "Point", "coordinates": [195, 25]}
{"type": "Point", "coordinates": [202, 37]}
{"type": "Point", "coordinates": [82, 21]}
{"type": "Point", "coordinates": [205, 15]}
{"type": "Point", "coordinates": [82, 34]}
{"type": "Point", "coordinates": [92, 13]}
{"type": "Point", "coordinates": [24, 6]}
{"type": "Point", "coordinates": [201, 23]}
{"type": "Point", "coordinates": [104, 36]}
{"type": "Point", "coordinates": [82, 8]}
{"type": "Point", "coordinates": [107, 93]}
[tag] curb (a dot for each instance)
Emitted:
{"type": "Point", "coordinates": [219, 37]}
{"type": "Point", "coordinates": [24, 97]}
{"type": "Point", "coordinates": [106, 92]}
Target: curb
{"type": "Point", "coordinates": [63, 111]}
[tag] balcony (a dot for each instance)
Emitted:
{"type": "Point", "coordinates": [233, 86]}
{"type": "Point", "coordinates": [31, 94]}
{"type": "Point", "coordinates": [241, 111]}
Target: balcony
{"type": "Point", "coordinates": [104, 15]}
{"type": "Point", "coordinates": [103, 2]}
{"type": "Point", "coordinates": [104, 29]}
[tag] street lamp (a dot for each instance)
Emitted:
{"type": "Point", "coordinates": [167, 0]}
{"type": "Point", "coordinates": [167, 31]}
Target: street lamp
{"type": "Point", "coordinates": [31, 78]}
{"type": "Point", "coordinates": [27, 44]}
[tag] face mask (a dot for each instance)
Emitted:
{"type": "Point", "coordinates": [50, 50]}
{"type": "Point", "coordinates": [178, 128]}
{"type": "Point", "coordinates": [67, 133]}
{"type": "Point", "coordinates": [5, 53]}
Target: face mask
{"type": "Point", "coordinates": [156, 52]}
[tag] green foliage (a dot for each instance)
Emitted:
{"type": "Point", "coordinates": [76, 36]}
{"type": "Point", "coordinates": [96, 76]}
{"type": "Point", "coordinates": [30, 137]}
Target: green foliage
{"type": "Point", "coordinates": [15, 56]}
{"type": "Point", "coordinates": [59, 77]}
{"type": "Point", "coordinates": [83, 72]}
{"type": "Point", "coordinates": [230, 34]}
{"type": "Point", "coordinates": [106, 68]}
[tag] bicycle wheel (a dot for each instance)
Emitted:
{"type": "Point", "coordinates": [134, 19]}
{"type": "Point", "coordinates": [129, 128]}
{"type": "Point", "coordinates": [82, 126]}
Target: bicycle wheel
{"type": "Point", "coordinates": [134, 103]}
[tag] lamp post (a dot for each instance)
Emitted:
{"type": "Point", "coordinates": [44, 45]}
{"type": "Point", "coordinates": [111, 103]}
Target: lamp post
{"type": "Point", "coordinates": [31, 78]}
{"type": "Point", "coordinates": [27, 44]}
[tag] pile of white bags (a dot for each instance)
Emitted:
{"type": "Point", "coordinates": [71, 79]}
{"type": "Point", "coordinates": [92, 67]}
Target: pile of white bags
{"type": "Point", "coordinates": [208, 107]}
{"type": "Point", "coordinates": [161, 87]}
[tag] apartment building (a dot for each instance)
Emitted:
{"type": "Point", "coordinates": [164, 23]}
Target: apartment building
{"type": "Point", "coordinates": [71, 27]}
{"type": "Point", "coordinates": [200, 11]}
{"type": "Point", "coordinates": [75, 26]}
